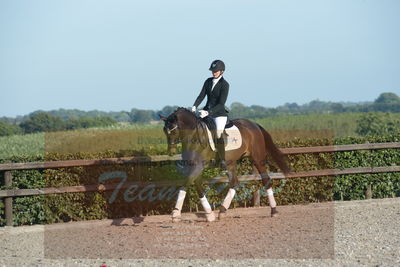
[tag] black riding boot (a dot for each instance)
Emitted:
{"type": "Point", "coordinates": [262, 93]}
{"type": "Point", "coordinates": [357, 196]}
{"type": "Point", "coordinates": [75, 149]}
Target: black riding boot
{"type": "Point", "coordinates": [221, 152]}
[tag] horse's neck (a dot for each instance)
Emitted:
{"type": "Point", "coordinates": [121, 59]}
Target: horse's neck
{"type": "Point", "coordinates": [188, 121]}
{"type": "Point", "coordinates": [202, 133]}
{"type": "Point", "coordinates": [202, 127]}
{"type": "Point", "coordinates": [195, 128]}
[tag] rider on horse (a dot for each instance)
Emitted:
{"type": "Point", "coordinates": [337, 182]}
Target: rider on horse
{"type": "Point", "coordinates": [257, 146]}
{"type": "Point", "coordinates": [216, 88]}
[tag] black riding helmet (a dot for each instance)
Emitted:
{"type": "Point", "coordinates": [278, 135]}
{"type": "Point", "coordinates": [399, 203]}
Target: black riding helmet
{"type": "Point", "coordinates": [217, 65]}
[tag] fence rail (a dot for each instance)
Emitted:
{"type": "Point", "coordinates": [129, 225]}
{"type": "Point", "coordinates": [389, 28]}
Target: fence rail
{"type": "Point", "coordinates": [141, 159]}
{"type": "Point", "coordinates": [10, 193]}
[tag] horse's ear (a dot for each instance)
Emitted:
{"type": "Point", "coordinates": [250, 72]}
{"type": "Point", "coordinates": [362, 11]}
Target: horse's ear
{"type": "Point", "coordinates": [162, 117]}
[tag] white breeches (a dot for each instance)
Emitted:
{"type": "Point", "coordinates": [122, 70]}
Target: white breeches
{"type": "Point", "coordinates": [220, 123]}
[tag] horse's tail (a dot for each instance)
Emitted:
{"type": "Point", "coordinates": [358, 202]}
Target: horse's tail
{"type": "Point", "coordinates": [274, 151]}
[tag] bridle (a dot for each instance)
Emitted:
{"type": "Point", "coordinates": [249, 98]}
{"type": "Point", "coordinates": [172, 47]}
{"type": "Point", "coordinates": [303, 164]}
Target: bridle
{"type": "Point", "coordinates": [169, 131]}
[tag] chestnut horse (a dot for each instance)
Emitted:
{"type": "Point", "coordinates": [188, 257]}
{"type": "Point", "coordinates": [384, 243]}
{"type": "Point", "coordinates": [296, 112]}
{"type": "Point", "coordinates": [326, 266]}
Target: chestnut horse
{"type": "Point", "coordinates": [185, 127]}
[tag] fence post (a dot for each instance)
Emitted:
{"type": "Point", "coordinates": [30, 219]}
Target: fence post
{"type": "Point", "coordinates": [368, 192]}
{"type": "Point", "coordinates": [256, 198]}
{"type": "Point", "coordinates": [8, 203]}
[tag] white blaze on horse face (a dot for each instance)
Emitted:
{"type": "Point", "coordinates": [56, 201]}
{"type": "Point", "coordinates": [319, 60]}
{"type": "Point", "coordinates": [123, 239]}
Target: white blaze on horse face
{"type": "Point", "coordinates": [205, 204]}
{"type": "Point", "coordinates": [228, 198]}
{"type": "Point", "coordinates": [179, 201]}
{"type": "Point", "coordinates": [271, 198]}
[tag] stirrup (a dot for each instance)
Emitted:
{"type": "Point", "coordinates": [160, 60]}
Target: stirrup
{"type": "Point", "coordinates": [222, 165]}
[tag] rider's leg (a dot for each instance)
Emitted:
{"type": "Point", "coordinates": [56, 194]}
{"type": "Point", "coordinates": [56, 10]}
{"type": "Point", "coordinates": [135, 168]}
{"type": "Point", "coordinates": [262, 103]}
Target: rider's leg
{"type": "Point", "coordinates": [220, 123]}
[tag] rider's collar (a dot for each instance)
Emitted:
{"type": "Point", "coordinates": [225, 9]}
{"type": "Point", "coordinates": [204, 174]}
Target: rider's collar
{"type": "Point", "coordinates": [215, 80]}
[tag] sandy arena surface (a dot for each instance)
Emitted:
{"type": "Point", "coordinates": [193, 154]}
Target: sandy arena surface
{"type": "Point", "coordinates": [323, 234]}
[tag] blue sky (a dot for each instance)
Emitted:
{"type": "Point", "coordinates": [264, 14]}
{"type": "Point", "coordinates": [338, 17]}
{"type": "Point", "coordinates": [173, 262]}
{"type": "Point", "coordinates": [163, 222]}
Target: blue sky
{"type": "Point", "coordinates": [117, 55]}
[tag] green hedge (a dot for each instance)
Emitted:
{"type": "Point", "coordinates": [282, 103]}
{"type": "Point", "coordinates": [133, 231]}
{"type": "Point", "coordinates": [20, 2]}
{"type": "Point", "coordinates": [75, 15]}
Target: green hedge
{"type": "Point", "coordinates": [349, 187]}
{"type": "Point", "coordinates": [96, 205]}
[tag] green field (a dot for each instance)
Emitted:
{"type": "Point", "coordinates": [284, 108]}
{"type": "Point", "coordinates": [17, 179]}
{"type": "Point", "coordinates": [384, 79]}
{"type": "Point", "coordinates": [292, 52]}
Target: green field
{"type": "Point", "coordinates": [343, 124]}
{"type": "Point", "coordinates": [17, 145]}
{"type": "Point", "coordinates": [149, 137]}
{"type": "Point", "coordinates": [38, 143]}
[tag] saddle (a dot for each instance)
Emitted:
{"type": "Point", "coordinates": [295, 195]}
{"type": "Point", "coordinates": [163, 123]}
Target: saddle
{"type": "Point", "coordinates": [231, 134]}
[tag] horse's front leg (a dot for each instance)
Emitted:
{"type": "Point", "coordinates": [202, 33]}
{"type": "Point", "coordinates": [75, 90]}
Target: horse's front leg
{"type": "Point", "coordinates": [176, 212]}
{"type": "Point", "coordinates": [191, 168]}
{"type": "Point", "coordinates": [233, 184]}
{"type": "Point", "coordinates": [210, 216]}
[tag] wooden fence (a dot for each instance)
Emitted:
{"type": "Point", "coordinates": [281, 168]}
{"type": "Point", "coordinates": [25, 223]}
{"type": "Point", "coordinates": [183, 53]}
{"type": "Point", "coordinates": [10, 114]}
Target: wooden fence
{"type": "Point", "coordinates": [10, 193]}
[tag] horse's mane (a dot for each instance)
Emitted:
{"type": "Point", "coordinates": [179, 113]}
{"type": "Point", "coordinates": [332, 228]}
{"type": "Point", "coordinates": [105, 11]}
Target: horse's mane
{"type": "Point", "coordinates": [198, 124]}
{"type": "Point", "coordinates": [182, 109]}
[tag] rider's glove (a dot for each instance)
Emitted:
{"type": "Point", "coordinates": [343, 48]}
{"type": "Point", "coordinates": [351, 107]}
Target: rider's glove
{"type": "Point", "coordinates": [203, 113]}
{"type": "Point", "coordinates": [194, 109]}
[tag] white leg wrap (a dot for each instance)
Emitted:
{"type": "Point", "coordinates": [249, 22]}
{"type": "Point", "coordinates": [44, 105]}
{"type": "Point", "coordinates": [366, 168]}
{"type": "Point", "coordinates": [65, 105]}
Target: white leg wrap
{"type": "Point", "coordinates": [228, 198]}
{"type": "Point", "coordinates": [271, 198]}
{"type": "Point", "coordinates": [205, 204]}
{"type": "Point", "coordinates": [179, 201]}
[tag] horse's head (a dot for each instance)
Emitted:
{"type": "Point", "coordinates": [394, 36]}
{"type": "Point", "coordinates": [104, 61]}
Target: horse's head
{"type": "Point", "coordinates": [171, 130]}
{"type": "Point", "coordinates": [175, 125]}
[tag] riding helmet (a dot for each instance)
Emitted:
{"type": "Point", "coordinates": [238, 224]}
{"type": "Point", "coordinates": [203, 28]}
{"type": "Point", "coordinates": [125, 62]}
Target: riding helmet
{"type": "Point", "coordinates": [217, 65]}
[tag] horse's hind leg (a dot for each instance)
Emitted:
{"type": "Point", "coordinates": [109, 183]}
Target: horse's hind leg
{"type": "Point", "coordinates": [233, 183]}
{"type": "Point", "coordinates": [267, 182]}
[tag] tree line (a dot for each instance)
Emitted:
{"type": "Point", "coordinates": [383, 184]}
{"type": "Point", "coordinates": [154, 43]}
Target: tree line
{"type": "Point", "coordinates": [68, 119]}
{"type": "Point", "coordinates": [386, 102]}
{"type": "Point", "coordinates": [41, 121]}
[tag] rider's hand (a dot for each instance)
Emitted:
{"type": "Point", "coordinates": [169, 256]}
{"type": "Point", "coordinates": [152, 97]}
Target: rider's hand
{"type": "Point", "coordinates": [203, 113]}
{"type": "Point", "coordinates": [194, 109]}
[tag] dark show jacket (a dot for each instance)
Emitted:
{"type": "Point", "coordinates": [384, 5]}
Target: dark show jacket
{"type": "Point", "coordinates": [216, 98]}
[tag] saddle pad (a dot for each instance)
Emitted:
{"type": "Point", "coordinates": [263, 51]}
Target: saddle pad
{"type": "Point", "coordinates": [233, 139]}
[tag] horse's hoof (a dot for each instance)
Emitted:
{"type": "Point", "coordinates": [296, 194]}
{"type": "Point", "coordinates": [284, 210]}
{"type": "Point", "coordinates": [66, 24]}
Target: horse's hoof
{"type": "Point", "coordinates": [274, 212]}
{"type": "Point", "coordinates": [210, 217]}
{"type": "Point", "coordinates": [222, 215]}
{"type": "Point", "coordinates": [176, 219]}
{"type": "Point", "coordinates": [176, 215]}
